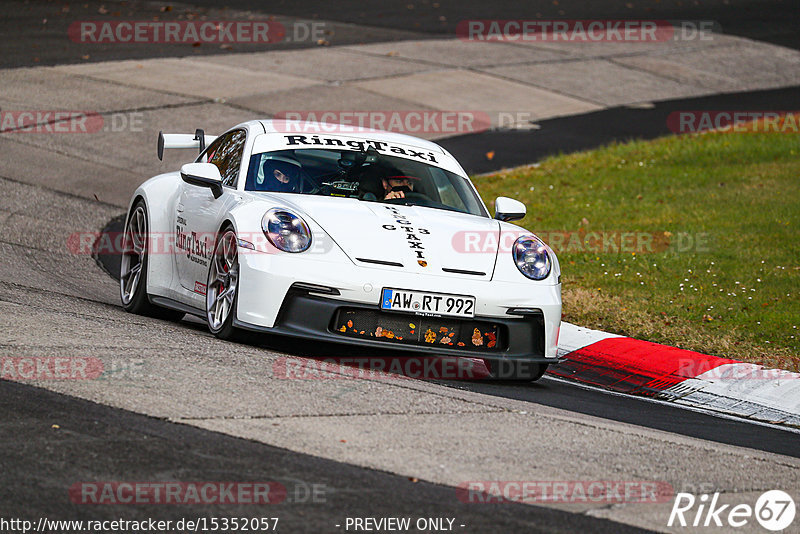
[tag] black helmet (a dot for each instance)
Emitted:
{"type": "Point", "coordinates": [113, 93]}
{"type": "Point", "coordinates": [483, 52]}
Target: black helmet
{"type": "Point", "coordinates": [266, 179]}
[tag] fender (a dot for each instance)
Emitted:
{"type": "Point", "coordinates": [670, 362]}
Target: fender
{"type": "Point", "coordinates": [159, 195]}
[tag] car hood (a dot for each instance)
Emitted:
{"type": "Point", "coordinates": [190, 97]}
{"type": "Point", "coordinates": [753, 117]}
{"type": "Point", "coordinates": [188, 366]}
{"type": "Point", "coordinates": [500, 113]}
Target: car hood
{"type": "Point", "coordinates": [391, 236]}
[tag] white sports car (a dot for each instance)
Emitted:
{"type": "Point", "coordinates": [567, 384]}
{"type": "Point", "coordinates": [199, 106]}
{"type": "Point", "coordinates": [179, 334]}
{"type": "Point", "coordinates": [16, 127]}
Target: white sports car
{"type": "Point", "coordinates": [327, 232]}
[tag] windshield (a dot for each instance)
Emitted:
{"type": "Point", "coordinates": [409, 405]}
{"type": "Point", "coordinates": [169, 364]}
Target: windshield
{"type": "Point", "coordinates": [367, 176]}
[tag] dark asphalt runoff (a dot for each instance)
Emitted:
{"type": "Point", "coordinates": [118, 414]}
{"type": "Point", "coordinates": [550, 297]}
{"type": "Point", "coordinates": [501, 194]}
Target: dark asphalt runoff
{"type": "Point", "coordinates": [36, 32]}
{"type": "Point", "coordinates": [773, 21]}
{"type": "Point", "coordinates": [563, 135]}
{"type": "Point", "coordinates": [51, 442]}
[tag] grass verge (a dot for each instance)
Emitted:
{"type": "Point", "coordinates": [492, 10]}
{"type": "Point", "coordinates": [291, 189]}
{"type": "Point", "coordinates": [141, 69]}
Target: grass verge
{"type": "Point", "coordinates": [692, 241]}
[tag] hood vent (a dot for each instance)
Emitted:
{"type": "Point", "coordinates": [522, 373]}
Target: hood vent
{"type": "Point", "coordinates": [380, 262]}
{"type": "Point", "coordinates": [463, 271]}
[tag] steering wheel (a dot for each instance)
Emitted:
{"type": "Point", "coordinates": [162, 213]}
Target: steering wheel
{"type": "Point", "coordinates": [305, 180]}
{"type": "Point", "coordinates": [414, 195]}
{"type": "Point", "coordinates": [412, 199]}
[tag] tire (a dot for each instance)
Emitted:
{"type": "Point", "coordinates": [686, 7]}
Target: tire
{"type": "Point", "coordinates": [515, 370]}
{"type": "Point", "coordinates": [222, 286]}
{"type": "Point", "coordinates": [133, 268]}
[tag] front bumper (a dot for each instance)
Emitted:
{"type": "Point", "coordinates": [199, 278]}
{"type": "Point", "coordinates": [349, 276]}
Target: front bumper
{"type": "Point", "coordinates": [268, 301]}
{"type": "Point", "coordinates": [305, 315]}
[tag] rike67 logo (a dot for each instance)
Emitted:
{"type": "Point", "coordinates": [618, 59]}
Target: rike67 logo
{"type": "Point", "coordinates": [774, 510]}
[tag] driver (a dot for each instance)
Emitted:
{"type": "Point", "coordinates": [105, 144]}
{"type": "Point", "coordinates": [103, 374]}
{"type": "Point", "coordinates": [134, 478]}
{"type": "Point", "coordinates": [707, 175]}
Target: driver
{"type": "Point", "coordinates": [279, 174]}
{"type": "Point", "coordinates": [382, 182]}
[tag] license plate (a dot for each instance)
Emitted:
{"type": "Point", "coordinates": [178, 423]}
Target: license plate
{"type": "Point", "coordinates": [425, 303]}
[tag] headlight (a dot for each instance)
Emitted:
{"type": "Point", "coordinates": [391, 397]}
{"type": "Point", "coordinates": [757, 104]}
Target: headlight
{"type": "Point", "coordinates": [531, 257]}
{"type": "Point", "coordinates": [287, 231]}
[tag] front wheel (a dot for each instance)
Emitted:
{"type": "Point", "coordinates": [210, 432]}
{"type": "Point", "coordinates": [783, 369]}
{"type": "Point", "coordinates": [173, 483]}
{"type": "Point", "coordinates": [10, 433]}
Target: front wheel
{"type": "Point", "coordinates": [516, 370]}
{"type": "Point", "coordinates": [223, 282]}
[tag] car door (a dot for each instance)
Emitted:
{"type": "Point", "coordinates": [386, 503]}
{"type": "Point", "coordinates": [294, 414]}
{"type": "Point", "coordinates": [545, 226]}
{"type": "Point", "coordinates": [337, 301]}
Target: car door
{"type": "Point", "coordinates": [198, 213]}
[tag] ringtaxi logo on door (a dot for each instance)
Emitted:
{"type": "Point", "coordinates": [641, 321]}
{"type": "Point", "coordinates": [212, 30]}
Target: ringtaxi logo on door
{"type": "Point", "coordinates": [774, 510]}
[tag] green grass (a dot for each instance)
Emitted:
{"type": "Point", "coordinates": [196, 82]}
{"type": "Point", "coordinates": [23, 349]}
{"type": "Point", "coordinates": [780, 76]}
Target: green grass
{"type": "Point", "coordinates": [736, 295]}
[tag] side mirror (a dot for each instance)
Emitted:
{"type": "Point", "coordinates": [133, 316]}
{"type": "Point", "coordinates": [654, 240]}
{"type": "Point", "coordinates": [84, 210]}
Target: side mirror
{"type": "Point", "coordinates": [508, 209]}
{"type": "Point", "coordinates": [203, 175]}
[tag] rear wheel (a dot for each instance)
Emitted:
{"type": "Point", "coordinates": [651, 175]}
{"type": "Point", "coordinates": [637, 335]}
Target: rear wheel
{"type": "Point", "coordinates": [516, 370]}
{"type": "Point", "coordinates": [133, 268]}
{"type": "Point", "coordinates": [222, 285]}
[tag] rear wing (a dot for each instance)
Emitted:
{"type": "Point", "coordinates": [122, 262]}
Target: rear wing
{"type": "Point", "coordinates": [197, 141]}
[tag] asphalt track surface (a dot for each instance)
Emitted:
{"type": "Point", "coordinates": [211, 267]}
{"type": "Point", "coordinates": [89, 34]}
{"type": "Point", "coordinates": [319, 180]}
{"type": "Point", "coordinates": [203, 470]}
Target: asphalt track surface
{"type": "Point", "coordinates": [557, 393]}
{"type": "Point", "coordinates": [97, 442]}
{"type": "Point", "coordinates": [648, 413]}
{"type": "Point", "coordinates": [34, 31]}
{"type": "Point", "coordinates": [772, 21]}
{"type": "Point", "coordinates": [590, 130]}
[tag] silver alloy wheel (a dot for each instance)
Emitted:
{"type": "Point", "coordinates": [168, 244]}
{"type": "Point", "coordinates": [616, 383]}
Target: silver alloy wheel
{"type": "Point", "coordinates": [134, 250]}
{"type": "Point", "coordinates": [223, 277]}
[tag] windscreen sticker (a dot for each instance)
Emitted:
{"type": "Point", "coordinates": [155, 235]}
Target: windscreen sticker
{"type": "Point", "coordinates": [413, 240]}
{"type": "Point", "coordinates": [380, 146]}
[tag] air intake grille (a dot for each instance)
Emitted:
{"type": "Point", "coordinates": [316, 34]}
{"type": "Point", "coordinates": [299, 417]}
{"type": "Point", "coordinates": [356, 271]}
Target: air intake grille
{"type": "Point", "coordinates": [418, 330]}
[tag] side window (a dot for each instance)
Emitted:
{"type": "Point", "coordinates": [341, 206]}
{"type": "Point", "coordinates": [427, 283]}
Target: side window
{"type": "Point", "coordinates": [226, 153]}
{"type": "Point", "coordinates": [212, 149]}
{"type": "Point", "coordinates": [447, 192]}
